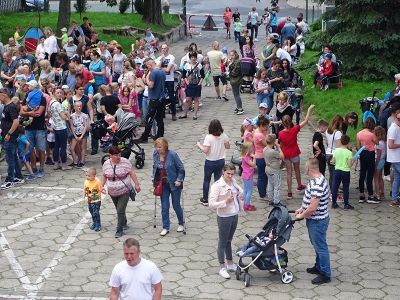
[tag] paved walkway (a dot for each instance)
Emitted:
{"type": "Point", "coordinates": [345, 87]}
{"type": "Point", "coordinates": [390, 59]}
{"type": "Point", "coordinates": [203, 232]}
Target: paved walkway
{"type": "Point", "coordinates": [48, 251]}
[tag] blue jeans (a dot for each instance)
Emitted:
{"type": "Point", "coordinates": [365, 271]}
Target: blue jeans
{"type": "Point", "coordinates": [262, 180]}
{"type": "Point", "coordinates": [37, 139]}
{"type": "Point", "coordinates": [396, 180]}
{"type": "Point", "coordinates": [262, 98]}
{"type": "Point", "coordinates": [211, 167]}
{"type": "Point", "coordinates": [176, 204]}
{"type": "Point", "coordinates": [60, 146]}
{"type": "Point", "coordinates": [338, 177]}
{"type": "Point", "coordinates": [317, 232]}
{"type": "Point", "coordinates": [247, 190]}
{"type": "Point", "coordinates": [94, 209]}
{"type": "Point", "coordinates": [13, 168]}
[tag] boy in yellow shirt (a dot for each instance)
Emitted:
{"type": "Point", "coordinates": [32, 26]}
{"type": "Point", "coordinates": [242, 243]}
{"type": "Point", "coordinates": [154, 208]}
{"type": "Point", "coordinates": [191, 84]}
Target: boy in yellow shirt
{"type": "Point", "coordinates": [92, 193]}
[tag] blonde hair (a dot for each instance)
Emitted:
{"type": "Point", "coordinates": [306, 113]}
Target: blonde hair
{"type": "Point", "coordinates": [283, 95]}
{"type": "Point", "coordinates": [270, 139]}
{"type": "Point", "coordinates": [246, 149]}
{"type": "Point", "coordinates": [380, 133]}
{"type": "Point", "coordinates": [91, 171]}
{"type": "Point", "coordinates": [45, 65]}
{"type": "Point", "coordinates": [162, 142]}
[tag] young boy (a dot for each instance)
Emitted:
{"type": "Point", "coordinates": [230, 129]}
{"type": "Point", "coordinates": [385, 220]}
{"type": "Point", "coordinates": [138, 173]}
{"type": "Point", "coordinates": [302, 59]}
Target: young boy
{"type": "Point", "coordinates": [343, 160]}
{"type": "Point", "coordinates": [273, 156]}
{"type": "Point", "coordinates": [92, 193]}
{"type": "Point", "coordinates": [33, 99]}
{"type": "Point", "coordinates": [24, 153]}
{"type": "Point", "coordinates": [318, 145]}
{"type": "Point", "coordinates": [237, 28]}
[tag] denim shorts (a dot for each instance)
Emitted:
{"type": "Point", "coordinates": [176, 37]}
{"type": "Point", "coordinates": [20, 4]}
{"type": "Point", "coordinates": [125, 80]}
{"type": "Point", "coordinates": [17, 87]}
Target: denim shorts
{"type": "Point", "coordinates": [37, 139]}
{"type": "Point", "coordinates": [293, 160]}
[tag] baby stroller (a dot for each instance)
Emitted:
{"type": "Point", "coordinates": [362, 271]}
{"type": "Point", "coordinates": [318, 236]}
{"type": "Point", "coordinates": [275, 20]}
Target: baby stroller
{"type": "Point", "coordinates": [296, 100]}
{"type": "Point", "coordinates": [268, 253]}
{"type": "Point", "coordinates": [248, 69]}
{"type": "Point", "coordinates": [124, 137]}
{"type": "Point", "coordinates": [372, 104]}
{"type": "Point", "coordinates": [179, 89]}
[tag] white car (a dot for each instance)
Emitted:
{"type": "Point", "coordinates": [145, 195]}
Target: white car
{"type": "Point", "coordinates": [35, 4]}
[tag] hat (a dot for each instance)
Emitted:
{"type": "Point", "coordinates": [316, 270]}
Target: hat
{"type": "Point", "coordinates": [33, 83]}
{"type": "Point", "coordinates": [70, 39]}
{"type": "Point", "coordinates": [63, 29]}
{"type": "Point", "coordinates": [138, 61]}
{"type": "Point", "coordinates": [263, 105]}
{"type": "Point", "coordinates": [328, 55]}
{"type": "Point", "coordinates": [298, 92]}
{"type": "Point", "coordinates": [247, 122]}
{"type": "Point", "coordinates": [224, 50]}
{"type": "Point", "coordinates": [65, 87]}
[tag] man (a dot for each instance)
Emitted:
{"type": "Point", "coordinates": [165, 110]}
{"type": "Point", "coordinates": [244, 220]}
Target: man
{"type": "Point", "coordinates": [315, 210]}
{"type": "Point", "coordinates": [70, 47]}
{"type": "Point", "coordinates": [135, 277]}
{"type": "Point", "coordinates": [155, 80]}
{"type": "Point", "coordinates": [216, 57]}
{"type": "Point", "coordinates": [393, 156]}
{"type": "Point", "coordinates": [288, 30]}
{"type": "Point", "coordinates": [76, 33]}
{"type": "Point", "coordinates": [109, 103]}
{"type": "Point", "coordinates": [326, 50]}
{"type": "Point", "coordinates": [9, 133]}
{"type": "Point", "coordinates": [166, 62]}
{"type": "Point", "coordinates": [12, 46]}
{"type": "Point", "coordinates": [86, 28]}
{"type": "Point", "coordinates": [24, 58]}
{"type": "Point", "coordinates": [92, 43]}
{"type": "Point", "coordinates": [8, 72]}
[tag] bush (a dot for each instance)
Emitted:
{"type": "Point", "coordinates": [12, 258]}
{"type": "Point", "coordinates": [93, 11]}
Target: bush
{"type": "Point", "coordinates": [124, 5]}
{"type": "Point", "coordinates": [81, 7]}
{"type": "Point", "coordinates": [139, 6]}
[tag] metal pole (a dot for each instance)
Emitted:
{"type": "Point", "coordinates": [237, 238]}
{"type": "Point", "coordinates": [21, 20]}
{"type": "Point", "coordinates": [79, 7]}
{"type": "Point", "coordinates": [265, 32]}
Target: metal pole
{"type": "Point", "coordinates": [313, 12]}
{"type": "Point", "coordinates": [184, 15]}
{"type": "Point", "coordinates": [307, 11]}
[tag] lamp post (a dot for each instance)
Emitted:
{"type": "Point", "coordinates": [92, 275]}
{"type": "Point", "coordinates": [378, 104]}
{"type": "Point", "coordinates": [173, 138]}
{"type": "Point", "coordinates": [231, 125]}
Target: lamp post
{"type": "Point", "coordinates": [184, 15]}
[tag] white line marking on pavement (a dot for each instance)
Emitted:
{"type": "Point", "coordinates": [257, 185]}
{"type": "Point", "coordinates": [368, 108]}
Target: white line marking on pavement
{"type": "Point", "coordinates": [6, 296]}
{"type": "Point", "coordinates": [50, 188]}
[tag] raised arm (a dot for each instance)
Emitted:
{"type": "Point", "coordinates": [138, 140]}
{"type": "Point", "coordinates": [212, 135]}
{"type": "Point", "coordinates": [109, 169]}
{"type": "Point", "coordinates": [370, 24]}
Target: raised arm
{"type": "Point", "coordinates": [307, 118]}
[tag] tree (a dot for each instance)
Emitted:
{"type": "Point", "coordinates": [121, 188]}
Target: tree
{"type": "Point", "coordinates": [124, 5]}
{"type": "Point", "coordinates": [64, 15]}
{"type": "Point", "coordinates": [366, 37]}
{"type": "Point", "coordinates": [110, 3]}
{"type": "Point", "coordinates": [81, 7]}
{"type": "Point", "coordinates": [152, 12]}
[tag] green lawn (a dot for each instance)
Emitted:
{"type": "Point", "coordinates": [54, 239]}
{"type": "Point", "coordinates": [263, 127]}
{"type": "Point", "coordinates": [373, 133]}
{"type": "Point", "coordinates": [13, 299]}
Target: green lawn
{"type": "Point", "coordinates": [98, 19]}
{"type": "Point", "coordinates": [336, 101]}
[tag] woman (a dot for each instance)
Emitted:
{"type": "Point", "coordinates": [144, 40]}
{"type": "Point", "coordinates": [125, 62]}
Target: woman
{"type": "Point", "coordinates": [127, 78]}
{"type": "Point", "coordinates": [194, 75]}
{"type": "Point", "coordinates": [269, 52]}
{"type": "Point", "coordinates": [248, 62]}
{"type": "Point", "coordinates": [350, 119]}
{"type": "Point", "coordinates": [333, 135]}
{"type": "Point", "coordinates": [367, 138]}
{"type": "Point", "coordinates": [50, 46]}
{"type": "Point", "coordinates": [226, 197]}
{"type": "Point", "coordinates": [275, 75]}
{"type": "Point", "coordinates": [46, 71]}
{"type": "Point", "coordinates": [215, 143]}
{"type": "Point", "coordinates": [259, 140]}
{"type": "Point", "coordinates": [227, 20]}
{"type": "Point", "coordinates": [102, 48]}
{"type": "Point", "coordinates": [98, 68]}
{"type": "Point", "coordinates": [291, 150]}
{"type": "Point", "coordinates": [117, 176]}
{"type": "Point", "coordinates": [168, 167]}
{"type": "Point", "coordinates": [235, 78]}
{"type": "Point", "coordinates": [40, 52]}
{"type": "Point", "coordinates": [252, 23]}
{"type": "Point", "coordinates": [118, 63]}
{"type": "Point", "coordinates": [288, 74]}
{"type": "Point", "coordinates": [59, 117]}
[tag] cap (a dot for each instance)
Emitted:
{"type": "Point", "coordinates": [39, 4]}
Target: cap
{"type": "Point", "coordinates": [70, 39]}
{"type": "Point", "coordinates": [65, 87]}
{"type": "Point", "coordinates": [63, 29]}
{"type": "Point", "coordinates": [247, 122]}
{"type": "Point", "coordinates": [33, 83]}
{"type": "Point", "coordinates": [138, 61]}
{"type": "Point", "coordinates": [298, 92]}
{"type": "Point", "coordinates": [263, 105]}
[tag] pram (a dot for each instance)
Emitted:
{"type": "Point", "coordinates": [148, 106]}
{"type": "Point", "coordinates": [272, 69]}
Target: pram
{"type": "Point", "coordinates": [179, 89]}
{"type": "Point", "coordinates": [248, 69]}
{"type": "Point", "coordinates": [123, 137]}
{"type": "Point", "coordinates": [270, 255]}
{"type": "Point", "coordinates": [372, 104]}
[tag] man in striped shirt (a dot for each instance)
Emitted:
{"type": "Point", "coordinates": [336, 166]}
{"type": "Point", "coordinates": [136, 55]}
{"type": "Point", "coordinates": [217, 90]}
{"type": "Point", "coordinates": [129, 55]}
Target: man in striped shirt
{"type": "Point", "coordinates": [315, 210]}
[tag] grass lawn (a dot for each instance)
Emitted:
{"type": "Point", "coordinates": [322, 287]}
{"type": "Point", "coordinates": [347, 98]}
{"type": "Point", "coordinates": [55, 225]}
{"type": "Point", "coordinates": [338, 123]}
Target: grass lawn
{"type": "Point", "coordinates": [98, 19]}
{"type": "Point", "coordinates": [336, 101]}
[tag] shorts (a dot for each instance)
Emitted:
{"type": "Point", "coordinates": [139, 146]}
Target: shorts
{"type": "Point", "coordinates": [380, 164]}
{"type": "Point", "coordinates": [37, 139]}
{"type": "Point", "coordinates": [25, 158]}
{"type": "Point", "coordinates": [293, 160]}
{"type": "Point", "coordinates": [218, 78]}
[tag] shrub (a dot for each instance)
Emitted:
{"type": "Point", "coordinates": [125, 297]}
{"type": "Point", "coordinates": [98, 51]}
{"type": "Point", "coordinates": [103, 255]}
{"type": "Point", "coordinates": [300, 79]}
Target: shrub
{"type": "Point", "coordinates": [139, 6]}
{"type": "Point", "coordinates": [124, 5]}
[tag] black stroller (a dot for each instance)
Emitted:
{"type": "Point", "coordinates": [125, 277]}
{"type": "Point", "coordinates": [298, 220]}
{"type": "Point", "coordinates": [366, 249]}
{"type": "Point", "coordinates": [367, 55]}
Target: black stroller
{"type": "Point", "coordinates": [267, 253]}
{"type": "Point", "coordinates": [124, 137]}
{"type": "Point", "coordinates": [248, 69]}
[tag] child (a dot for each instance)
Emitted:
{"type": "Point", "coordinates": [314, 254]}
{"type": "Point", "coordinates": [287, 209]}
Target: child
{"type": "Point", "coordinates": [24, 153]}
{"type": "Point", "coordinates": [51, 139]}
{"type": "Point", "coordinates": [242, 39]}
{"type": "Point", "coordinates": [112, 125]}
{"type": "Point", "coordinates": [380, 159]}
{"type": "Point", "coordinates": [248, 164]}
{"type": "Point", "coordinates": [318, 145]}
{"type": "Point", "coordinates": [33, 99]}
{"type": "Point", "coordinates": [262, 88]}
{"type": "Point", "coordinates": [249, 248]}
{"type": "Point", "coordinates": [79, 128]}
{"type": "Point", "coordinates": [64, 36]}
{"type": "Point", "coordinates": [207, 71]}
{"type": "Point", "coordinates": [237, 28]}
{"type": "Point", "coordinates": [343, 160]}
{"type": "Point", "coordinates": [273, 156]}
{"type": "Point", "coordinates": [248, 130]}
{"type": "Point", "coordinates": [92, 193]}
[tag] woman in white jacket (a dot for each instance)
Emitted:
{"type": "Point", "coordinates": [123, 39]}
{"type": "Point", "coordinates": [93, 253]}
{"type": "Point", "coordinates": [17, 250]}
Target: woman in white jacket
{"type": "Point", "coordinates": [226, 197]}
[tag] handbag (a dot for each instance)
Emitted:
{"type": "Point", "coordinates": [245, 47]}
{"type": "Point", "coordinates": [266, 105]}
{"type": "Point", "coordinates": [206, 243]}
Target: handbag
{"type": "Point", "coordinates": [158, 187]}
{"type": "Point", "coordinates": [132, 192]}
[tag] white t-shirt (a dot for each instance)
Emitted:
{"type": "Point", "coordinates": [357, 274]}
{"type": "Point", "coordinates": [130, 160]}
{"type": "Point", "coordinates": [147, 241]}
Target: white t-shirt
{"type": "Point", "coordinates": [135, 283]}
{"type": "Point", "coordinates": [331, 144]}
{"type": "Point", "coordinates": [169, 59]}
{"type": "Point", "coordinates": [253, 17]}
{"type": "Point", "coordinates": [281, 54]}
{"type": "Point", "coordinates": [215, 57]}
{"type": "Point", "coordinates": [393, 155]}
{"type": "Point", "coordinates": [186, 60]}
{"type": "Point", "coordinates": [217, 146]}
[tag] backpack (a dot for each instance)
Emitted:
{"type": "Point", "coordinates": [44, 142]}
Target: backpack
{"type": "Point", "coordinates": [194, 76]}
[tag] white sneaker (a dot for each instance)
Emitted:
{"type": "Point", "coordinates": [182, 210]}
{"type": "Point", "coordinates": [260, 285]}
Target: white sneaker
{"type": "Point", "coordinates": [224, 273]}
{"type": "Point", "coordinates": [256, 40]}
{"type": "Point", "coordinates": [387, 177]}
{"type": "Point", "coordinates": [232, 267]}
{"type": "Point", "coordinates": [180, 228]}
{"type": "Point", "coordinates": [164, 232]}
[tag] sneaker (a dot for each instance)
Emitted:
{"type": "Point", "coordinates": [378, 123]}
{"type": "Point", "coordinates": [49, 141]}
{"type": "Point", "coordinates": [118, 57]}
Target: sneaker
{"type": "Point", "coordinates": [240, 253]}
{"type": "Point", "coordinates": [289, 196]}
{"type": "Point", "coordinates": [80, 165]}
{"type": "Point", "coordinates": [335, 205]}
{"type": "Point", "coordinates": [240, 111]}
{"type": "Point", "coordinates": [7, 185]}
{"type": "Point", "coordinates": [18, 180]}
{"type": "Point", "coordinates": [218, 98]}
{"type": "Point", "coordinates": [49, 162]}
{"type": "Point", "coordinates": [40, 173]}
{"type": "Point", "coordinates": [326, 87]}
{"type": "Point", "coordinates": [30, 177]}
{"type": "Point", "coordinates": [236, 110]}
{"type": "Point", "coordinates": [34, 170]}
{"type": "Point", "coordinates": [225, 98]}
{"type": "Point", "coordinates": [387, 177]}
{"type": "Point", "coordinates": [270, 203]}
{"type": "Point", "coordinates": [373, 200]}
{"type": "Point", "coordinates": [98, 228]}
{"type": "Point", "coordinates": [362, 199]}
{"type": "Point", "coordinates": [392, 203]}
{"type": "Point", "coordinates": [252, 208]}
{"type": "Point", "coordinates": [256, 40]}
{"type": "Point", "coordinates": [246, 207]}
{"type": "Point", "coordinates": [231, 268]}
{"type": "Point", "coordinates": [93, 226]}
{"type": "Point", "coordinates": [321, 279]}
{"type": "Point", "coordinates": [313, 270]}
{"type": "Point", "coordinates": [125, 227]}
{"type": "Point", "coordinates": [119, 234]}
{"type": "Point", "coordinates": [301, 187]}
{"type": "Point", "coordinates": [164, 232]}
{"type": "Point", "coordinates": [204, 202]}
{"type": "Point", "coordinates": [348, 206]}
{"type": "Point", "coordinates": [340, 198]}
{"type": "Point", "coordinates": [94, 152]}
{"type": "Point", "coordinates": [180, 228]}
{"type": "Point", "coordinates": [224, 273]}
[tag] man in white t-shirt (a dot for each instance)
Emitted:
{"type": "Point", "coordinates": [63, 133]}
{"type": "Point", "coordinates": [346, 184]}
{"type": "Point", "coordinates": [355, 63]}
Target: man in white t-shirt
{"type": "Point", "coordinates": [135, 278]}
{"type": "Point", "coordinates": [393, 156]}
{"type": "Point", "coordinates": [166, 62]}
{"type": "Point", "coordinates": [216, 57]}
{"type": "Point", "coordinates": [281, 54]}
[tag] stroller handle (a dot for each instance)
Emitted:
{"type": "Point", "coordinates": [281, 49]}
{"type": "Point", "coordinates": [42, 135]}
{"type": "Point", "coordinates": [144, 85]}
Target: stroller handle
{"type": "Point", "coordinates": [297, 220]}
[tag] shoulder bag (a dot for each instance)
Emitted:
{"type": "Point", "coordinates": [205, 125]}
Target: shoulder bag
{"type": "Point", "coordinates": [132, 192]}
{"type": "Point", "coordinates": [158, 186]}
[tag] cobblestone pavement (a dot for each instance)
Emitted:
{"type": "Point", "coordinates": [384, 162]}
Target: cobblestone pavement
{"type": "Point", "coordinates": [48, 251]}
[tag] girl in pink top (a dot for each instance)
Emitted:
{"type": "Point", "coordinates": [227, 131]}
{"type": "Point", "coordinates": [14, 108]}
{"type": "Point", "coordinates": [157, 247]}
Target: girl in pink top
{"type": "Point", "coordinates": [259, 140]}
{"type": "Point", "coordinates": [248, 164]}
{"type": "Point", "coordinates": [248, 130]}
{"type": "Point", "coordinates": [227, 21]}
{"type": "Point", "coordinates": [367, 138]}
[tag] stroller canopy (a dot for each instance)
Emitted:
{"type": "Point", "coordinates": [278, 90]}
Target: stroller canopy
{"type": "Point", "coordinates": [280, 220]}
{"type": "Point", "coordinates": [125, 120]}
{"type": "Point", "coordinates": [32, 37]}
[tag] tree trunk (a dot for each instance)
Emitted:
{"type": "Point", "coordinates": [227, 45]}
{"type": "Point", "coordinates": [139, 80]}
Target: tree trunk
{"type": "Point", "coordinates": [152, 12]}
{"type": "Point", "coordinates": [46, 5]}
{"type": "Point", "coordinates": [64, 15]}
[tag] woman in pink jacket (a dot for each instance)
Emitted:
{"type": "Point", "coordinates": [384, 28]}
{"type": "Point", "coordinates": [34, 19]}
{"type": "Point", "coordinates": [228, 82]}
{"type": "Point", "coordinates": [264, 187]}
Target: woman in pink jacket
{"type": "Point", "coordinates": [226, 197]}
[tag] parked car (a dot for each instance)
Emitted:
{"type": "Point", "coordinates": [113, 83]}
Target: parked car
{"type": "Point", "coordinates": [34, 4]}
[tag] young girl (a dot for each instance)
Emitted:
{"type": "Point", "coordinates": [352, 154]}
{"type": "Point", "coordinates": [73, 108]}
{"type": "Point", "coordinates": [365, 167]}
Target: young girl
{"type": "Point", "coordinates": [108, 71]}
{"type": "Point", "coordinates": [227, 20]}
{"type": "Point", "coordinates": [78, 123]}
{"type": "Point", "coordinates": [126, 99]}
{"type": "Point", "coordinates": [207, 70]}
{"type": "Point", "coordinates": [248, 164]}
{"type": "Point", "coordinates": [248, 130]}
{"type": "Point", "coordinates": [262, 88]}
{"type": "Point", "coordinates": [380, 158]}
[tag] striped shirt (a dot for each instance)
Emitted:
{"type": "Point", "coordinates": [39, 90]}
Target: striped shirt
{"type": "Point", "coordinates": [317, 188]}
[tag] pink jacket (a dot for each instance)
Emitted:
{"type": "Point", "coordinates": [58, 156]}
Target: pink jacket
{"type": "Point", "coordinates": [220, 191]}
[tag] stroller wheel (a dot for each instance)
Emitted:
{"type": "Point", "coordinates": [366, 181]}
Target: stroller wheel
{"type": "Point", "coordinates": [104, 158]}
{"type": "Point", "coordinates": [246, 280]}
{"type": "Point", "coordinates": [139, 163]}
{"type": "Point", "coordinates": [241, 90]}
{"type": "Point", "coordinates": [252, 91]}
{"type": "Point", "coordinates": [237, 273]}
{"type": "Point", "coordinates": [287, 277]}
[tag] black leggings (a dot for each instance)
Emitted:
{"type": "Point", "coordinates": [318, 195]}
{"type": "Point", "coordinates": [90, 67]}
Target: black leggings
{"type": "Point", "coordinates": [367, 168]}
